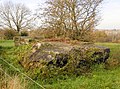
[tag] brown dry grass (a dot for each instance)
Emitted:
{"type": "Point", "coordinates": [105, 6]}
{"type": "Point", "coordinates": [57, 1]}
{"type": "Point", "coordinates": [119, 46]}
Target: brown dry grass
{"type": "Point", "coordinates": [12, 83]}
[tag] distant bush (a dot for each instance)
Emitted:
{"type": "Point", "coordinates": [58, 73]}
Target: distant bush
{"type": "Point", "coordinates": [24, 33]}
{"type": "Point", "coordinates": [9, 34]}
{"type": "Point", "coordinates": [100, 36]}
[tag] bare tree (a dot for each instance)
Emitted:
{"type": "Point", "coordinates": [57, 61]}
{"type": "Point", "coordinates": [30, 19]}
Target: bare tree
{"type": "Point", "coordinates": [15, 16]}
{"type": "Point", "coordinates": [79, 16]}
{"type": "Point", "coordinates": [54, 15]}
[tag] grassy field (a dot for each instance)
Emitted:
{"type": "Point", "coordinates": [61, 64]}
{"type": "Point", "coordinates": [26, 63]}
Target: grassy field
{"type": "Point", "coordinates": [7, 43]}
{"type": "Point", "coordinates": [103, 76]}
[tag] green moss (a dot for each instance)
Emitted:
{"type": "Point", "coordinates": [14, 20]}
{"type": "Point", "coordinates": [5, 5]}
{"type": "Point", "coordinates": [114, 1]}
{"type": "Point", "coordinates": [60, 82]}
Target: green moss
{"type": "Point", "coordinates": [75, 62]}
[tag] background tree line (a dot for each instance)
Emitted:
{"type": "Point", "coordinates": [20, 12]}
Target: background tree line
{"type": "Point", "coordinates": [74, 19]}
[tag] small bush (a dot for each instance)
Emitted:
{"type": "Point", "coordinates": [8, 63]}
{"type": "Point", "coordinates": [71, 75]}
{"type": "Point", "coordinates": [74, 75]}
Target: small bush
{"type": "Point", "coordinates": [24, 33]}
{"type": "Point", "coordinates": [9, 34]}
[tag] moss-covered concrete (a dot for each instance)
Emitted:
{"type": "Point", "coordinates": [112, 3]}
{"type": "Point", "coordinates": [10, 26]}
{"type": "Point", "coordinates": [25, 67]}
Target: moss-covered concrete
{"type": "Point", "coordinates": [56, 58]}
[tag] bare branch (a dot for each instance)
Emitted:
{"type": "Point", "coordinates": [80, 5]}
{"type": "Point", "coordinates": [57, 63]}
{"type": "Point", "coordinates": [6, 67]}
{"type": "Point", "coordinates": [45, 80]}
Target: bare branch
{"type": "Point", "coordinates": [15, 16]}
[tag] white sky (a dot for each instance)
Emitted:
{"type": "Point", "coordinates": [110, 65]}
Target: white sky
{"type": "Point", "coordinates": [110, 12]}
{"type": "Point", "coordinates": [110, 15]}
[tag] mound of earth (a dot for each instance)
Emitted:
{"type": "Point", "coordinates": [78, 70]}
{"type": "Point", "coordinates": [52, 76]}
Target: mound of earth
{"type": "Point", "coordinates": [60, 57]}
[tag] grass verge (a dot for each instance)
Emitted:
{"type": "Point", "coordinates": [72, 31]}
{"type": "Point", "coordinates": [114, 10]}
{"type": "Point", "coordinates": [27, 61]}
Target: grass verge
{"type": "Point", "coordinates": [103, 76]}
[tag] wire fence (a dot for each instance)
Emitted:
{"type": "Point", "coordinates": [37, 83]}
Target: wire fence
{"type": "Point", "coordinates": [20, 73]}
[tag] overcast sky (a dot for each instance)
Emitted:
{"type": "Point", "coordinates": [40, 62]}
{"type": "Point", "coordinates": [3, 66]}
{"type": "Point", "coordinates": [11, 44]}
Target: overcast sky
{"type": "Point", "coordinates": [110, 15]}
{"type": "Point", "coordinates": [110, 12]}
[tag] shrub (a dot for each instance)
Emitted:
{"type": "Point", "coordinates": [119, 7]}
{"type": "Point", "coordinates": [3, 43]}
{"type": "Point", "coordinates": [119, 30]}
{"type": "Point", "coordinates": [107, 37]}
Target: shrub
{"type": "Point", "coordinates": [24, 33]}
{"type": "Point", "coordinates": [9, 34]}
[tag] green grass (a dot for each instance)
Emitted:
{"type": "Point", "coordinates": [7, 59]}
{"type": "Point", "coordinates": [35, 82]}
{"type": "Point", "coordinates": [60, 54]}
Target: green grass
{"type": "Point", "coordinates": [103, 76]}
{"type": "Point", "coordinates": [6, 43]}
{"type": "Point", "coordinates": [98, 79]}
